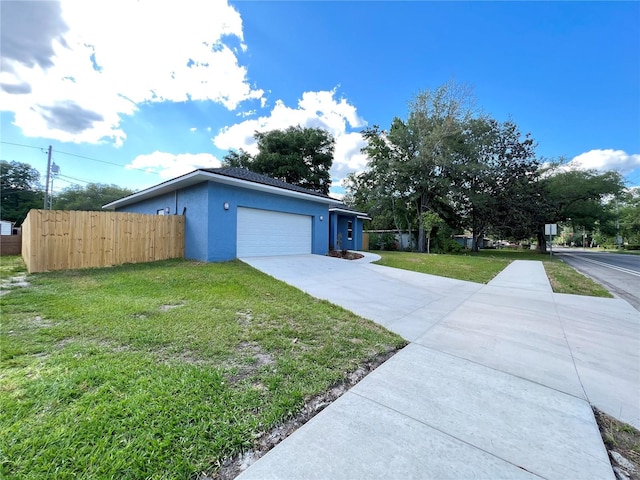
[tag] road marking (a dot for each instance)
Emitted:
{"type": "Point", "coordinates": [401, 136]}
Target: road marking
{"type": "Point", "coordinates": [602, 264]}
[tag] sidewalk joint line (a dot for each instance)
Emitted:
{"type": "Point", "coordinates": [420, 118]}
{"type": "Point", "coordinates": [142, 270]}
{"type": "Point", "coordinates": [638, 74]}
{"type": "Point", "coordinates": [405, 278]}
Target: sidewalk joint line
{"type": "Point", "coordinates": [573, 360]}
{"type": "Point", "coordinates": [503, 372]}
{"type": "Point", "coordinates": [387, 407]}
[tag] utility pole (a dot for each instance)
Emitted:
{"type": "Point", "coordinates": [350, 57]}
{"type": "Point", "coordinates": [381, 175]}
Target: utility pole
{"type": "Point", "coordinates": [46, 190]}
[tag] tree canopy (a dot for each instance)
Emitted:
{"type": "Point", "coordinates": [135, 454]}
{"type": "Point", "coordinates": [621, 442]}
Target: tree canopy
{"type": "Point", "coordinates": [577, 198]}
{"type": "Point", "coordinates": [20, 190]}
{"type": "Point", "coordinates": [91, 197]}
{"type": "Point", "coordinates": [470, 171]}
{"type": "Point", "coordinates": [410, 164]}
{"type": "Point", "coordinates": [492, 174]}
{"type": "Point", "coordinates": [297, 155]}
{"type": "Point", "coordinates": [628, 215]}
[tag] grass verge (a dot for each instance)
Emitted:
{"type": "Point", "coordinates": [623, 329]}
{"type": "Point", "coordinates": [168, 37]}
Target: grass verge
{"type": "Point", "coordinates": [162, 370]}
{"type": "Point", "coordinates": [623, 444]}
{"type": "Point", "coordinates": [481, 267]}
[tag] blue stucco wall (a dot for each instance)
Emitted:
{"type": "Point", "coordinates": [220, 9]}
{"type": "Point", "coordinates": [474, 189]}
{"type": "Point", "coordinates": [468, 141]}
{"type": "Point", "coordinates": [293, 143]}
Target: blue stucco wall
{"type": "Point", "coordinates": [222, 235]}
{"type": "Point", "coordinates": [339, 232]}
{"type": "Point", "coordinates": [210, 230]}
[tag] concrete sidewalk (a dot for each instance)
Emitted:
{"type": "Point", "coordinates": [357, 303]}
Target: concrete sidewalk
{"type": "Point", "coordinates": [496, 382]}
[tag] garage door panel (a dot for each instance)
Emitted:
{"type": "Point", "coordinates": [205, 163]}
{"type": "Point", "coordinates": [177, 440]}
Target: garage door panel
{"type": "Point", "coordinates": [265, 232]}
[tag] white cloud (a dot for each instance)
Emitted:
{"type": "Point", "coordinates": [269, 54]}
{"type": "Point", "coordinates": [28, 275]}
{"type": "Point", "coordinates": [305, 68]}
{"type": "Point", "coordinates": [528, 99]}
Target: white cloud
{"type": "Point", "coordinates": [169, 165]}
{"type": "Point", "coordinates": [193, 129]}
{"type": "Point", "coordinates": [315, 109]}
{"type": "Point", "coordinates": [99, 60]}
{"type": "Point", "coordinates": [605, 160]}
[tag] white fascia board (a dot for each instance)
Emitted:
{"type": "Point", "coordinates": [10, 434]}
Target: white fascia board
{"type": "Point", "coordinates": [360, 215]}
{"type": "Point", "coordinates": [199, 176]}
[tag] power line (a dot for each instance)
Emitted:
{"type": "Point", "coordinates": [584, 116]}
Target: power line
{"type": "Point", "coordinates": [79, 156]}
{"type": "Point", "coordinates": [22, 145]}
{"type": "Point", "coordinates": [102, 161]}
{"type": "Point", "coordinates": [73, 178]}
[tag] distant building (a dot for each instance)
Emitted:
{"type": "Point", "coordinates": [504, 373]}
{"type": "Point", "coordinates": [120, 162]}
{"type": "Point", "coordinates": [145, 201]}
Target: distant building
{"type": "Point", "coordinates": [6, 227]}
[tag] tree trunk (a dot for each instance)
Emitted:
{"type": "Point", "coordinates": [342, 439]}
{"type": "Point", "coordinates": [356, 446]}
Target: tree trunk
{"type": "Point", "coordinates": [475, 244]}
{"type": "Point", "coordinates": [396, 224]}
{"type": "Point", "coordinates": [475, 233]}
{"type": "Point", "coordinates": [542, 240]}
{"type": "Point", "coordinates": [428, 244]}
{"type": "Point", "coordinates": [421, 238]}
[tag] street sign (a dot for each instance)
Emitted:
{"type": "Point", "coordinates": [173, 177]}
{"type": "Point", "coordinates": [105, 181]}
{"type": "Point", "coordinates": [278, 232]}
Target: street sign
{"type": "Point", "coordinates": [550, 229]}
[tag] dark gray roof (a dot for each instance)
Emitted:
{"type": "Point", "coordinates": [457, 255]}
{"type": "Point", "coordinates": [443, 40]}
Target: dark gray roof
{"type": "Point", "coordinates": [249, 176]}
{"type": "Point", "coordinates": [234, 175]}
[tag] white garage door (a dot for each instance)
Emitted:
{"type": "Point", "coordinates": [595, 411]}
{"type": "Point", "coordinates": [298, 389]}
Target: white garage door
{"type": "Point", "coordinates": [262, 232]}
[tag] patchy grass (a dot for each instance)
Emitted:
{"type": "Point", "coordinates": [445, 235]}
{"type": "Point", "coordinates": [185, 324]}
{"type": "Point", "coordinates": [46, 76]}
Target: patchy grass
{"type": "Point", "coordinates": [621, 440]}
{"type": "Point", "coordinates": [481, 267]}
{"type": "Point", "coordinates": [10, 266]}
{"type": "Point", "coordinates": [162, 370]}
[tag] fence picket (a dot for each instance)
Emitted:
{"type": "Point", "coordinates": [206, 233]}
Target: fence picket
{"type": "Point", "coordinates": [59, 240]}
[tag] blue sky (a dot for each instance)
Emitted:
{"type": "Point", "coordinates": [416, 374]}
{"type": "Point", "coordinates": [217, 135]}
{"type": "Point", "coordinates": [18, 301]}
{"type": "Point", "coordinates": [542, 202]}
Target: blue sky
{"type": "Point", "coordinates": [135, 93]}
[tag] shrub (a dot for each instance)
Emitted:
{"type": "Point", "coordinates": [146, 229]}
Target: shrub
{"type": "Point", "coordinates": [632, 246]}
{"type": "Point", "coordinates": [447, 245]}
{"type": "Point", "coordinates": [383, 241]}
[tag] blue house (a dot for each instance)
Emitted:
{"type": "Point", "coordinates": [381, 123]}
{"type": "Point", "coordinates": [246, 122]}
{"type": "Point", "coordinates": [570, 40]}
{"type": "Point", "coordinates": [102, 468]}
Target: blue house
{"type": "Point", "coordinates": [234, 213]}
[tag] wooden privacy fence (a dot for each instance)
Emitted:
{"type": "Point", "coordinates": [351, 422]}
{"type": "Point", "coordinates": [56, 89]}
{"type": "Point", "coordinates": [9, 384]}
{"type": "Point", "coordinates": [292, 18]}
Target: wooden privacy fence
{"type": "Point", "coordinates": [10, 244]}
{"type": "Point", "coordinates": [60, 240]}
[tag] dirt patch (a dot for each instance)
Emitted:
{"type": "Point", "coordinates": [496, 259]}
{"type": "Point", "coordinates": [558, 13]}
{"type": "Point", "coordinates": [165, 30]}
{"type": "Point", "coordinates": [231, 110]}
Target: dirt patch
{"type": "Point", "coordinates": [246, 370]}
{"type": "Point", "coordinates": [165, 308]}
{"type": "Point", "coordinates": [345, 254]}
{"type": "Point", "coordinates": [39, 322]}
{"type": "Point", "coordinates": [232, 467]}
{"type": "Point", "coordinates": [19, 281]}
{"type": "Point", "coordinates": [244, 318]}
{"type": "Point", "coordinates": [623, 445]}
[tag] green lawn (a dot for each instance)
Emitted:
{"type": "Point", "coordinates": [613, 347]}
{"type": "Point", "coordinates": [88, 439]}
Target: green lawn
{"type": "Point", "coordinates": [162, 370]}
{"type": "Point", "coordinates": [10, 266]}
{"type": "Point", "coordinates": [481, 267]}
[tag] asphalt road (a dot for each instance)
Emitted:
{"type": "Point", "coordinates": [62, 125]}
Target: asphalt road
{"type": "Point", "coordinates": [618, 273]}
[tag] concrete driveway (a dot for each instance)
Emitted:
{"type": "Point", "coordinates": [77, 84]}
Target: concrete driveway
{"type": "Point", "coordinates": [496, 383]}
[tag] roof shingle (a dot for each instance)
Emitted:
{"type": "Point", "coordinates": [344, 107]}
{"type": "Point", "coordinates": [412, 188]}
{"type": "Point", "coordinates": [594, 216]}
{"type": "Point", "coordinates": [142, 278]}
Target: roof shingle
{"type": "Point", "coordinates": [249, 176]}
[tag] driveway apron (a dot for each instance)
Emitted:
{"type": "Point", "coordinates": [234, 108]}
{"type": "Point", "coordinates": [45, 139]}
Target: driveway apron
{"type": "Point", "coordinates": [496, 383]}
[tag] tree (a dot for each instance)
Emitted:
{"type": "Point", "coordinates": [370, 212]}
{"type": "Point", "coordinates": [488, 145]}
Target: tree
{"type": "Point", "coordinates": [430, 220]}
{"type": "Point", "coordinates": [301, 156]}
{"type": "Point", "coordinates": [297, 155]}
{"type": "Point", "coordinates": [434, 128]}
{"type": "Point", "coordinates": [576, 197]}
{"type": "Point", "coordinates": [20, 190]}
{"type": "Point", "coordinates": [91, 197]}
{"type": "Point", "coordinates": [409, 164]}
{"type": "Point", "coordinates": [492, 174]}
{"type": "Point", "coordinates": [238, 159]}
{"type": "Point", "coordinates": [384, 183]}
{"type": "Point", "coordinates": [628, 215]}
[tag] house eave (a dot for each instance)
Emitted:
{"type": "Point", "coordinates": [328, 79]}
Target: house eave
{"type": "Point", "coordinates": [199, 176]}
{"type": "Point", "coordinates": [360, 215]}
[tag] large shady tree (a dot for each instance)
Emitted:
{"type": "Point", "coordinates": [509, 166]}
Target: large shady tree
{"type": "Point", "coordinates": [409, 165]}
{"type": "Point", "coordinates": [20, 190]}
{"type": "Point", "coordinates": [493, 175]}
{"type": "Point", "coordinates": [298, 155]}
